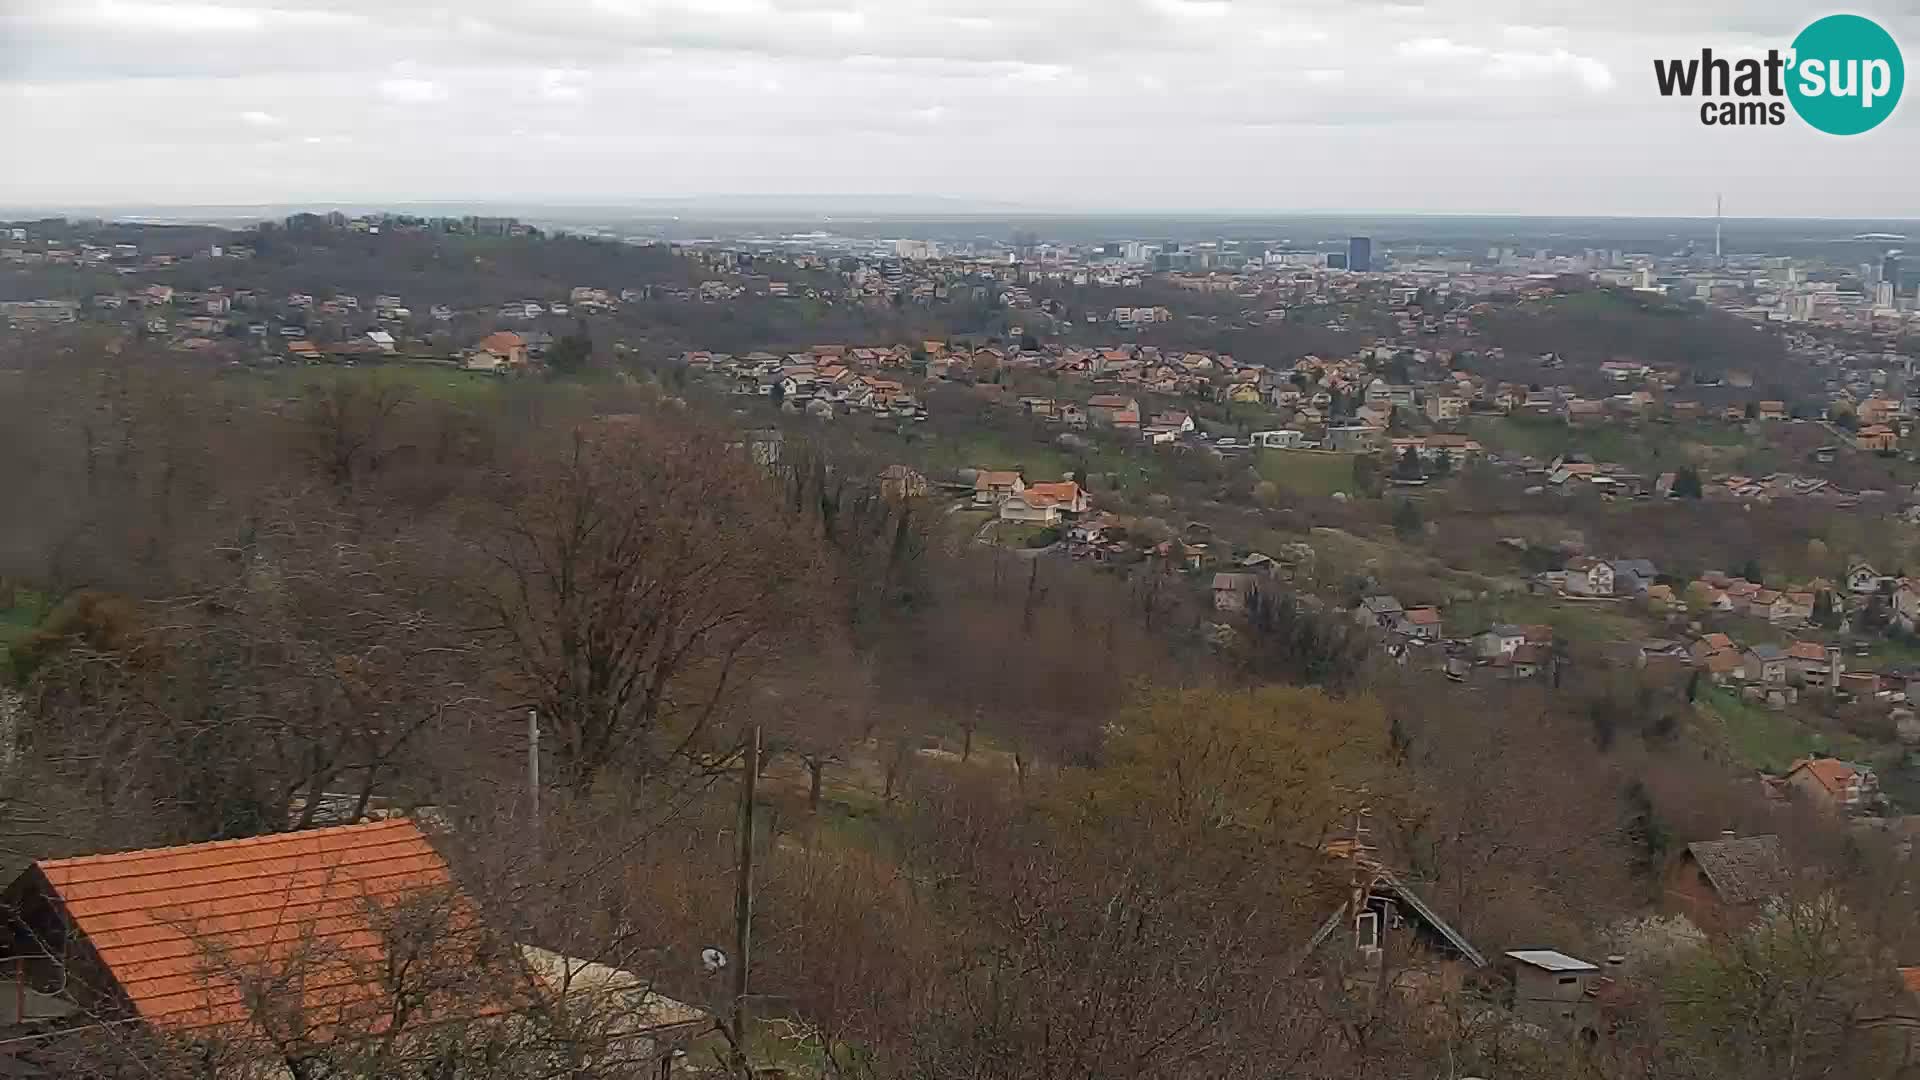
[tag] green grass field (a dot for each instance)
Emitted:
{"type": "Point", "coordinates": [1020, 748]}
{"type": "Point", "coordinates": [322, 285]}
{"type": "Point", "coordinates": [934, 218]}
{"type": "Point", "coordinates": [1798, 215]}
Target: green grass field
{"type": "Point", "coordinates": [1651, 447]}
{"type": "Point", "coordinates": [1583, 622]}
{"type": "Point", "coordinates": [432, 381]}
{"type": "Point", "coordinates": [1306, 472]}
{"type": "Point", "coordinates": [1760, 738]}
{"type": "Point", "coordinates": [993, 450]}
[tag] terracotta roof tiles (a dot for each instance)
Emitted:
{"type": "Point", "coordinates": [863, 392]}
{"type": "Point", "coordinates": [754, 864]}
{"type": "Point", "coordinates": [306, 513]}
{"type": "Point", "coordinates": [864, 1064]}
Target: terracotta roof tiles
{"type": "Point", "coordinates": [179, 928]}
{"type": "Point", "coordinates": [1834, 775]}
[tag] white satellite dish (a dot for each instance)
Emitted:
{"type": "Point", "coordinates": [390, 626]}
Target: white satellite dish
{"type": "Point", "coordinates": [713, 960]}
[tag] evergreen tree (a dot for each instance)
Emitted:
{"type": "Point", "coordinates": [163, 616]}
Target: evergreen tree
{"type": "Point", "coordinates": [1406, 519]}
{"type": "Point", "coordinates": [1686, 483]}
{"type": "Point", "coordinates": [1826, 613]}
{"type": "Point", "coordinates": [570, 354]}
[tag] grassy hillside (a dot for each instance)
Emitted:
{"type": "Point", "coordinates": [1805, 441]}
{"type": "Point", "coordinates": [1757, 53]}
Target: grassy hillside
{"type": "Point", "coordinates": [1307, 472]}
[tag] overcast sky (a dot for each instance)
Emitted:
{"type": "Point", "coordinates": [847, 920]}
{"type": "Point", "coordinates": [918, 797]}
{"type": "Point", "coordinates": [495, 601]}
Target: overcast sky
{"type": "Point", "coordinates": [1506, 106]}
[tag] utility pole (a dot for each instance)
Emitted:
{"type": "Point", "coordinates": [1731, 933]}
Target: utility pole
{"type": "Point", "coordinates": [743, 901]}
{"type": "Point", "coordinates": [533, 777]}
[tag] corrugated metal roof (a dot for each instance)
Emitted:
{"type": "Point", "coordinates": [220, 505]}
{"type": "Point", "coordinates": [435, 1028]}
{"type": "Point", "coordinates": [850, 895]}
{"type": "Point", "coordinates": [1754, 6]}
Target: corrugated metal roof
{"type": "Point", "coordinates": [181, 928]}
{"type": "Point", "coordinates": [1549, 960]}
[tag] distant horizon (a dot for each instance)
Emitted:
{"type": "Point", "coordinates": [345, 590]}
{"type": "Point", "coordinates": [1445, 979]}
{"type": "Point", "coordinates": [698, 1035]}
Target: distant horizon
{"type": "Point", "coordinates": [747, 206]}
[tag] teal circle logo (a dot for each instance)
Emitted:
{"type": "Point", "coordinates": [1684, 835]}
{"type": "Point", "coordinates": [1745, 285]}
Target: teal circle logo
{"type": "Point", "coordinates": [1846, 75]}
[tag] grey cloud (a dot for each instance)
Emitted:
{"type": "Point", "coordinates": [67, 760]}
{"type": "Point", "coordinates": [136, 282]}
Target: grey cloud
{"type": "Point", "coordinates": [1449, 104]}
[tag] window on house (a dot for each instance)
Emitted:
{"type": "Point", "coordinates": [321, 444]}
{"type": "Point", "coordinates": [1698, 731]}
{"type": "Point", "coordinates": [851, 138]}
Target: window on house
{"type": "Point", "coordinates": [1366, 931]}
{"type": "Point", "coordinates": [1568, 980]}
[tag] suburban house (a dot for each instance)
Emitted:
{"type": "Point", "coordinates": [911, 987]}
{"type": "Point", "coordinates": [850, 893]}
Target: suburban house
{"type": "Point", "coordinates": [1381, 612]}
{"type": "Point", "coordinates": [1862, 578]}
{"type": "Point", "coordinates": [1500, 639]}
{"type": "Point", "coordinates": [1353, 438]}
{"type": "Point", "coordinates": [1765, 664]}
{"type": "Point", "coordinates": [1026, 508]}
{"type": "Point", "coordinates": [1231, 591]}
{"type": "Point", "coordinates": [1178, 422]}
{"type": "Point", "coordinates": [1811, 662]}
{"type": "Point", "coordinates": [1421, 623]}
{"type": "Point", "coordinates": [1719, 884]}
{"type": "Point", "coordinates": [902, 482]}
{"type": "Point", "coordinates": [1722, 667]}
{"type": "Point", "coordinates": [991, 486]}
{"type": "Point", "coordinates": [1877, 437]}
{"type": "Point", "coordinates": [1456, 448]}
{"type": "Point", "coordinates": [1068, 495]}
{"type": "Point", "coordinates": [502, 350]}
{"type": "Point", "coordinates": [1108, 409]}
{"type": "Point", "coordinates": [1835, 785]}
{"type": "Point", "coordinates": [1906, 605]}
{"type": "Point", "coordinates": [1441, 408]}
{"type": "Point", "coordinates": [1588, 576]}
{"type": "Point", "coordinates": [1793, 607]}
{"type": "Point", "coordinates": [1661, 598]}
{"type": "Point", "coordinates": [1708, 644]}
{"type": "Point", "coordinates": [1280, 440]}
{"type": "Point", "coordinates": [1524, 662]}
{"type": "Point", "coordinates": [1709, 597]}
{"type": "Point", "coordinates": [1633, 577]}
{"type": "Point", "coordinates": [181, 939]}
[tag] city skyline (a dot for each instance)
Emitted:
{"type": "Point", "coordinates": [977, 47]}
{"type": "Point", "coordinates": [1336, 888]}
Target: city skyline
{"type": "Point", "coordinates": [1152, 106]}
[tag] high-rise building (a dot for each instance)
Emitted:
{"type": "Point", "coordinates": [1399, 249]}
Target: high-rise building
{"type": "Point", "coordinates": [1883, 294]}
{"type": "Point", "coordinates": [1359, 254]}
{"type": "Point", "coordinates": [1890, 269]}
{"type": "Point", "coordinates": [1336, 261]}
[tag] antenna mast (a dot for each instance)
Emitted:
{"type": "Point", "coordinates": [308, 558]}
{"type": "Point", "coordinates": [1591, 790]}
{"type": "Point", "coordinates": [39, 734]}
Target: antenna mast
{"type": "Point", "coordinates": [1716, 227]}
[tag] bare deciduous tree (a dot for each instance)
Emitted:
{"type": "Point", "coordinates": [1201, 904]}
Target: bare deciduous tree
{"type": "Point", "coordinates": [636, 580]}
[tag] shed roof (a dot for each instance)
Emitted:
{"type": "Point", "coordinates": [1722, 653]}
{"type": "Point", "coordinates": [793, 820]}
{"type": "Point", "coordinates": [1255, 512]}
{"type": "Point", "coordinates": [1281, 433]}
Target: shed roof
{"type": "Point", "coordinates": [1549, 960]}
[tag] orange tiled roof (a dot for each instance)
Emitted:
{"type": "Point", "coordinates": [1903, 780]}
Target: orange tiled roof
{"type": "Point", "coordinates": [1723, 662]}
{"type": "Point", "coordinates": [178, 928]}
{"type": "Point", "coordinates": [501, 341]}
{"type": "Point", "coordinates": [1831, 773]}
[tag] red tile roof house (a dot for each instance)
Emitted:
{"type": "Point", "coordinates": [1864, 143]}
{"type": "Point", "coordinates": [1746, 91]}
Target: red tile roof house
{"type": "Point", "coordinates": [1421, 622]}
{"type": "Point", "coordinates": [1835, 785]}
{"type": "Point", "coordinates": [295, 944]}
